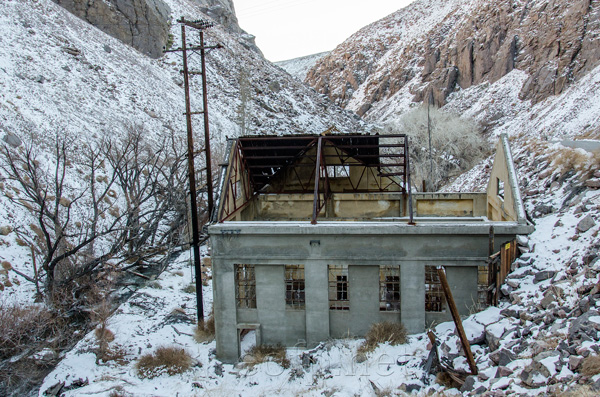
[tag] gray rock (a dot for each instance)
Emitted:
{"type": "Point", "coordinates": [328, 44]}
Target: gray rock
{"type": "Point", "coordinates": [586, 224]}
{"type": "Point", "coordinates": [107, 48]}
{"type": "Point", "coordinates": [469, 384]}
{"type": "Point", "coordinates": [219, 369]}
{"type": "Point", "coordinates": [532, 374]}
{"type": "Point", "coordinates": [506, 289]}
{"type": "Point", "coordinates": [492, 341]}
{"type": "Point", "coordinates": [12, 139]}
{"type": "Point", "coordinates": [412, 387]}
{"type": "Point", "coordinates": [5, 230]}
{"type": "Point", "coordinates": [575, 362]}
{"type": "Point", "coordinates": [542, 209]}
{"type": "Point", "coordinates": [594, 183]}
{"type": "Point", "coordinates": [502, 357]}
{"type": "Point", "coordinates": [503, 372]}
{"type": "Point", "coordinates": [513, 283]}
{"type": "Point", "coordinates": [581, 328]}
{"type": "Point", "coordinates": [543, 275]}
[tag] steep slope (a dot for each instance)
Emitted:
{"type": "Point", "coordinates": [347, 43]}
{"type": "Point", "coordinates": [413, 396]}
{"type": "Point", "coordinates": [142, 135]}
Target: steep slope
{"type": "Point", "coordinates": [429, 50]}
{"type": "Point", "coordinates": [60, 76]}
{"type": "Point", "coordinates": [299, 67]}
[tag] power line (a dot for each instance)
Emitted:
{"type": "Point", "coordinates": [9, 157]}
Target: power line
{"type": "Point", "coordinates": [278, 7]}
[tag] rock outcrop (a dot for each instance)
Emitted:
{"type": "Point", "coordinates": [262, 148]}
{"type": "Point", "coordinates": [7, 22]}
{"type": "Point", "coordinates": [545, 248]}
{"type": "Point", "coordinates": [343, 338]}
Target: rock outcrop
{"type": "Point", "coordinates": [465, 43]}
{"type": "Point", "coordinates": [143, 24]}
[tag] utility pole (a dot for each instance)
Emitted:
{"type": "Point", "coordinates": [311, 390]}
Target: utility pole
{"type": "Point", "coordinates": [199, 25]}
{"type": "Point", "coordinates": [429, 133]}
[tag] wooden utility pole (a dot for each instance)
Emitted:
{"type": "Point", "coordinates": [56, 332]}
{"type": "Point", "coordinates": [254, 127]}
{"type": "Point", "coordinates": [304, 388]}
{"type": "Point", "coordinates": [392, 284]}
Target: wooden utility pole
{"type": "Point", "coordinates": [199, 25]}
{"type": "Point", "coordinates": [457, 321]}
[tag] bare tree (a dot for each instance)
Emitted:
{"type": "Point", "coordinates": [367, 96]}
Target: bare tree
{"type": "Point", "coordinates": [122, 198]}
{"type": "Point", "coordinates": [52, 200]}
{"type": "Point", "coordinates": [457, 144]}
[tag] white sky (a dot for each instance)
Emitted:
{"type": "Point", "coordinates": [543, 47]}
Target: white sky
{"type": "Point", "coordinates": [287, 29]}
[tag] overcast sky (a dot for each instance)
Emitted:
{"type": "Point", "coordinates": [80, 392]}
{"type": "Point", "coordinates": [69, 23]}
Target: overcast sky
{"type": "Point", "coordinates": [287, 29]}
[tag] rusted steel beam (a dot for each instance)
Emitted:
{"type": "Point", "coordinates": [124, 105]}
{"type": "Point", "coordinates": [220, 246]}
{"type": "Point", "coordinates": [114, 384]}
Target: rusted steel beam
{"type": "Point", "coordinates": [457, 321]}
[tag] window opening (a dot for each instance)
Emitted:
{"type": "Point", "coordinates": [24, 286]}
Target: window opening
{"type": "Point", "coordinates": [294, 286]}
{"type": "Point", "coordinates": [482, 285]}
{"type": "Point", "coordinates": [434, 295]}
{"type": "Point", "coordinates": [338, 288]}
{"type": "Point", "coordinates": [500, 188]}
{"type": "Point", "coordinates": [389, 288]}
{"type": "Point", "coordinates": [245, 286]}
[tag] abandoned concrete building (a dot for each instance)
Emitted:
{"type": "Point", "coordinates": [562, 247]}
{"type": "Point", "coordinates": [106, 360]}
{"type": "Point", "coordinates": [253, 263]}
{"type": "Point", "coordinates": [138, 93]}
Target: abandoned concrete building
{"type": "Point", "coordinates": [318, 237]}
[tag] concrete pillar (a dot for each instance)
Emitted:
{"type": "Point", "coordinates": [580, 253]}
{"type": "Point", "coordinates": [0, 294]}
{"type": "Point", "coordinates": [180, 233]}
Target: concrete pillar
{"type": "Point", "coordinates": [412, 296]}
{"type": "Point", "coordinates": [317, 302]}
{"type": "Point", "coordinates": [463, 284]}
{"type": "Point", "coordinates": [270, 302]}
{"type": "Point", "coordinates": [364, 298]}
{"type": "Point", "coordinates": [225, 311]}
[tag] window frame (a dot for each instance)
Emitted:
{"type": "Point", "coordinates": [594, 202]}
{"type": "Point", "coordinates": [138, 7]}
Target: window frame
{"type": "Point", "coordinates": [245, 287]}
{"type": "Point", "coordinates": [435, 301]}
{"type": "Point", "coordinates": [295, 287]}
{"type": "Point", "coordinates": [389, 300]}
{"type": "Point", "coordinates": [338, 287]}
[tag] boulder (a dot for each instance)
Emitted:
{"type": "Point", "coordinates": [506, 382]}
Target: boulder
{"type": "Point", "coordinates": [142, 24]}
{"type": "Point", "coordinates": [12, 139]}
{"type": "Point", "coordinates": [469, 384]}
{"type": "Point", "coordinates": [586, 224]}
{"type": "Point", "coordinates": [503, 372]}
{"type": "Point", "coordinates": [502, 357]}
{"type": "Point", "coordinates": [543, 275]}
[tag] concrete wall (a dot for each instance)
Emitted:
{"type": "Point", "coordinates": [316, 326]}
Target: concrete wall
{"type": "Point", "coordinates": [450, 204]}
{"type": "Point", "coordinates": [506, 205]}
{"type": "Point", "coordinates": [298, 206]}
{"type": "Point", "coordinates": [363, 248]}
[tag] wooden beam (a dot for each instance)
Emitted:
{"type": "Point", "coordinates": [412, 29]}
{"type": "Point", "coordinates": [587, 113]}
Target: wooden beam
{"type": "Point", "coordinates": [457, 321]}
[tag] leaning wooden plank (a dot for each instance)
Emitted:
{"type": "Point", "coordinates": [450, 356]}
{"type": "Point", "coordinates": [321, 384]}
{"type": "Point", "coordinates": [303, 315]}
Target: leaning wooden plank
{"type": "Point", "coordinates": [457, 321]}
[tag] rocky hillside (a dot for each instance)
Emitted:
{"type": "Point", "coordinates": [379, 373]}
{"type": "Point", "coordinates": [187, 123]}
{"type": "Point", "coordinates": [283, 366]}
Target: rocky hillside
{"type": "Point", "coordinates": [299, 67]}
{"type": "Point", "coordinates": [431, 49]}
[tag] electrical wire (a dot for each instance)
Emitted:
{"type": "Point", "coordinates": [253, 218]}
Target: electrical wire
{"type": "Point", "coordinates": [254, 11]}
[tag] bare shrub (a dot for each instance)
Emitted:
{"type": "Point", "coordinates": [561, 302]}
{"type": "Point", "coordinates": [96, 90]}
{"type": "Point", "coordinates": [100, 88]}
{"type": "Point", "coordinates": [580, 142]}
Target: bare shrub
{"type": "Point", "coordinates": [591, 365]}
{"type": "Point", "coordinates": [166, 359]}
{"type": "Point", "coordinates": [21, 328]}
{"type": "Point", "coordinates": [259, 354]}
{"type": "Point", "coordinates": [578, 391]}
{"type": "Point", "coordinates": [190, 289]}
{"type": "Point", "coordinates": [457, 144]}
{"type": "Point", "coordinates": [386, 332]}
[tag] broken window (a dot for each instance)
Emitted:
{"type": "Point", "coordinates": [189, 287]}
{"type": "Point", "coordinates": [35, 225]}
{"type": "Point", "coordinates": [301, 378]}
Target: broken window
{"type": "Point", "coordinates": [338, 288]}
{"type": "Point", "coordinates": [500, 188]}
{"type": "Point", "coordinates": [434, 295]}
{"type": "Point", "coordinates": [245, 286]}
{"type": "Point", "coordinates": [389, 288]}
{"type": "Point", "coordinates": [294, 286]}
{"type": "Point", "coordinates": [482, 286]}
